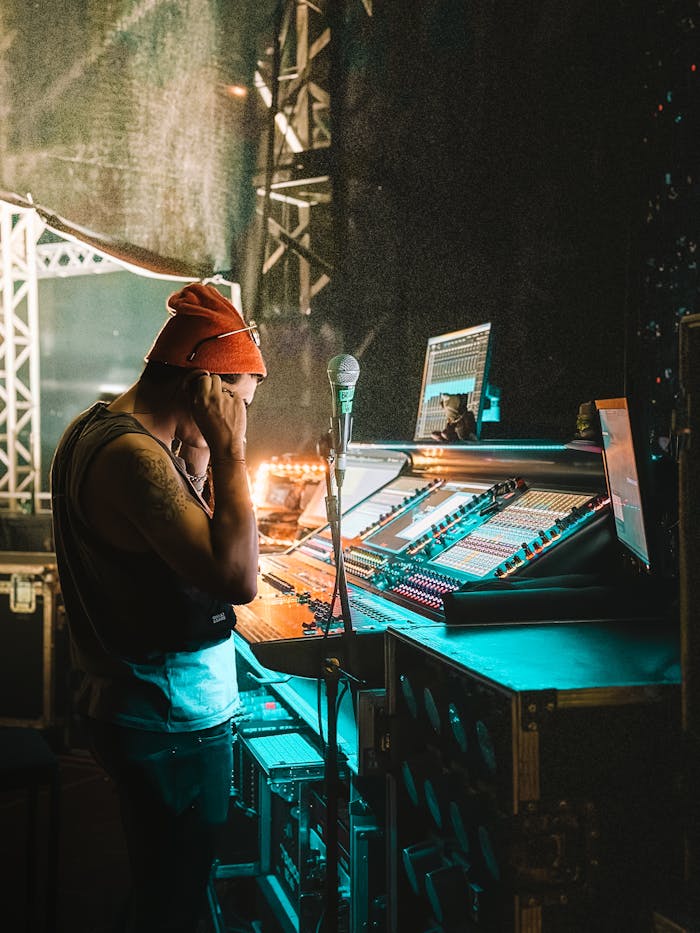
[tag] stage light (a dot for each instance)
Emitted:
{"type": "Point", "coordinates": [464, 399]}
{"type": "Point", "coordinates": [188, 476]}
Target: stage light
{"type": "Point", "coordinates": [486, 747]}
{"type": "Point", "coordinates": [447, 892]}
{"type": "Point", "coordinates": [408, 695]}
{"type": "Point", "coordinates": [457, 726]}
{"type": "Point", "coordinates": [431, 708]}
{"type": "Point", "coordinates": [487, 853]}
{"type": "Point", "coordinates": [462, 817]}
{"type": "Point", "coordinates": [438, 789]}
{"type": "Point", "coordinates": [418, 861]}
{"type": "Point", "coordinates": [238, 91]}
{"type": "Point", "coordinates": [470, 815]}
{"type": "Point", "coordinates": [412, 780]}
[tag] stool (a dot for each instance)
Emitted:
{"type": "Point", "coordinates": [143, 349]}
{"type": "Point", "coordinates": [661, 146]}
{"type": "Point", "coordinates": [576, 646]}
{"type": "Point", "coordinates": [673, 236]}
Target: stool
{"type": "Point", "coordinates": [28, 763]}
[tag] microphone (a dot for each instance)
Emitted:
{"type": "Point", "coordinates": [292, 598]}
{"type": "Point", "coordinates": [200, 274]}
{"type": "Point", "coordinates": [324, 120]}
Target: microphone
{"type": "Point", "coordinates": [343, 371]}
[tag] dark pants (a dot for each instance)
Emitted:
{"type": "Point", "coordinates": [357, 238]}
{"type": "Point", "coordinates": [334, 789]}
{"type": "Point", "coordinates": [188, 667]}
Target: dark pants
{"type": "Point", "coordinates": [174, 793]}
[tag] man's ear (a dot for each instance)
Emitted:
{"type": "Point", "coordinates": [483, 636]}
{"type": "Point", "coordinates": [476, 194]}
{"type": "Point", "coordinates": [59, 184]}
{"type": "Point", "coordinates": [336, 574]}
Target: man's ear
{"type": "Point", "coordinates": [190, 379]}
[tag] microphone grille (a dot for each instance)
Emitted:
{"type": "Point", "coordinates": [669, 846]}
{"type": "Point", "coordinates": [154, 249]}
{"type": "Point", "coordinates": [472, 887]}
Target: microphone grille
{"type": "Point", "coordinates": [343, 370]}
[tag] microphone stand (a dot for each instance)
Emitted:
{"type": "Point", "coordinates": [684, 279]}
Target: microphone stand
{"type": "Point", "coordinates": [334, 518]}
{"type": "Point", "coordinates": [331, 671]}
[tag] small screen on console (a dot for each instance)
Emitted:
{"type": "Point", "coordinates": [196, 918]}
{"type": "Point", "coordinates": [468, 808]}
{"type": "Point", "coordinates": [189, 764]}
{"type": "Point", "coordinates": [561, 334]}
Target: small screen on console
{"type": "Point", "coordinates": [424, 515]}
{"type": "Point", "coordinates": [622, 474]}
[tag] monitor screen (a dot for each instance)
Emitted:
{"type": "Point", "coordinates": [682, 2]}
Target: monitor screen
{"type": "Point", "coordinates": [623, 477]}
{"type": "Point", "coordinates": [363, 476]}
{"type": "Point", "coordinates": [455, 364]}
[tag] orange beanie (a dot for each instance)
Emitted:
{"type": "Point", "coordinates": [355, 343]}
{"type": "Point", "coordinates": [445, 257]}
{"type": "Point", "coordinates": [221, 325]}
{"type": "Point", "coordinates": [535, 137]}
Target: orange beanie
{"type": "Point", "coordinates": [199, 311]}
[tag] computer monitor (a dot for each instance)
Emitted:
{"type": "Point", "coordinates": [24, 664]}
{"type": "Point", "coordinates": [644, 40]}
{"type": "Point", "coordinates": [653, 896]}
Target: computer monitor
{"type": "Point", "coordinates": [455, 364]}
{"type": "Point", "coordinates": [364, 475]}
{"type": "Point", "coordinates": [626, 478]}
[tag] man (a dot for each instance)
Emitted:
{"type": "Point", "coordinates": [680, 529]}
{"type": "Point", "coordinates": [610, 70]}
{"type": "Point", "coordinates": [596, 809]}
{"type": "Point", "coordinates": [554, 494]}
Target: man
{"type": "Point", "coordinates": [150, 560]}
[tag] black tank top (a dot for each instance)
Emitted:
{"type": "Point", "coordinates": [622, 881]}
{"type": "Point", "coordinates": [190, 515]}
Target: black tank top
{"type": "Point", "coordinates": [120, 604]}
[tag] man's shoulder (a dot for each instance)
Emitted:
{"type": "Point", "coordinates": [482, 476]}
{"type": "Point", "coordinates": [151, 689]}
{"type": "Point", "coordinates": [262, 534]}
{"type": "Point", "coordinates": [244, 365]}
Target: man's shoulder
{"type": "Point", "coordinates": [122, 475]}
{"type": "Point", "coordinates": [78, 424]}
{"type": "Point", "coordinates": [111, 441]}
{"type": "Point", "coordinates": [126, 450]}
{"type": "Point", "coordinates": [102, 428]}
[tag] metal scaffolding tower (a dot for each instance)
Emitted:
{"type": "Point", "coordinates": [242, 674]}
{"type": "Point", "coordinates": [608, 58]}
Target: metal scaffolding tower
{"type": "Point", "coordinates": [295, 189]}
{"type": "Point", "coordinates": [23, 261]}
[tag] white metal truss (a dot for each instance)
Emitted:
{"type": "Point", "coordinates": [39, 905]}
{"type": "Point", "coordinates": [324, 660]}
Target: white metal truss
{"type": "Point", "coordinates": [23, 261]}
{"type": "Point", "coordinates": [67, 258]}
{"type": "Point", "coordinates": [20, 448]}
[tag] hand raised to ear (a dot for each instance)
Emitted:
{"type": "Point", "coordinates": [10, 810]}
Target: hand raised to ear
{"type": "Point", "coordinates": [190, 380]}
{"type": "Point", "coordinates": [220, 413]}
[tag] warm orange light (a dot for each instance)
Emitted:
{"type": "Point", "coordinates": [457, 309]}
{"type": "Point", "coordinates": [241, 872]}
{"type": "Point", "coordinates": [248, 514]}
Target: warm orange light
{"type": "Point", "coordinates": [260, 485]}
{"type": "Point", "coordinates": [299, 471]}
{"type": "Point", "coordinates": [238, 91]}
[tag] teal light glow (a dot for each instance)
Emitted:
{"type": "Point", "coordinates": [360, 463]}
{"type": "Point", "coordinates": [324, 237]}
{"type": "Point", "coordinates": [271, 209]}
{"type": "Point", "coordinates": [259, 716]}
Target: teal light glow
{"type": "Point", "coordinates": [450, 387]}
{"type": "Point", "coordinates": [573, 656]}
{"type": "Point", "coordinates": [474, 446]}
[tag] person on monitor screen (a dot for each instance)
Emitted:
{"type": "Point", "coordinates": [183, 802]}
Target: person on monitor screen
{"type": "Point", "coordinates": [155, 540]}
{"type": "Point", "coordinates": [460, 423]}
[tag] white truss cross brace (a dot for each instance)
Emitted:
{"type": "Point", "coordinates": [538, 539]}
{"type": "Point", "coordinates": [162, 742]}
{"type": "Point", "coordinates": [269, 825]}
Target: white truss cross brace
{"type": "Point", "coordinates": [68, 258]}
{"type": "Point", "coordinates": [20, 448]}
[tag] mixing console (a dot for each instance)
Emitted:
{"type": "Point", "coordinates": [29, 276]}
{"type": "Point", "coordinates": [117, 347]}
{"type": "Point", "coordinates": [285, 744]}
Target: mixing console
{"type": "Point", "coordinates": [435, 721]}
{"type": "Point", "coordinates": [421, 542]}
{"type": "Point", "coordinates": [296, 600]}
{"type": "Point", "coordinates": [406, 546]}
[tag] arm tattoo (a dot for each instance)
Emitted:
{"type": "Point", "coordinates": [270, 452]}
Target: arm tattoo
{"type": "Point", "coordinates": [157, 491]}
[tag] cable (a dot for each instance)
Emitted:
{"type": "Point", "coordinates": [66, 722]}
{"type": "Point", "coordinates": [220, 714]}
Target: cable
{"type": "Point", "coordinates": [341, 693]}
{"type": "Point", "coordinates": [318, 712]}
{"type": "Point", "coordinates": [329, 617]}
{"type": "Point", "coordinates": [319, 925]}
{"type": "Point", "coordinates": [336, 584]}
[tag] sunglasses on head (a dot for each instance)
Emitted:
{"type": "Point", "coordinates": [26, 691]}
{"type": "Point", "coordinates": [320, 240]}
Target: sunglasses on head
{"type": "Point", "coordinates": [252, 329]}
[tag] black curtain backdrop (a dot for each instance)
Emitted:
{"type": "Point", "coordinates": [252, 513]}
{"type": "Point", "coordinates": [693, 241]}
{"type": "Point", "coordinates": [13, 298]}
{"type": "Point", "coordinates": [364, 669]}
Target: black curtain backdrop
{"type": "Point", "coordinates": [488, 169]}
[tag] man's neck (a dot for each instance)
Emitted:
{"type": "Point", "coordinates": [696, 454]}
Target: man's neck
{"type": "Point", "coordinates": [158, 421]}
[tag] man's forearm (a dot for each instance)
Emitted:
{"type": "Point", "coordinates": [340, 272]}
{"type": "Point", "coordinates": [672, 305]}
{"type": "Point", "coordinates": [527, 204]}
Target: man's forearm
{"type": "Point", "coordinates": [234, 532]}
